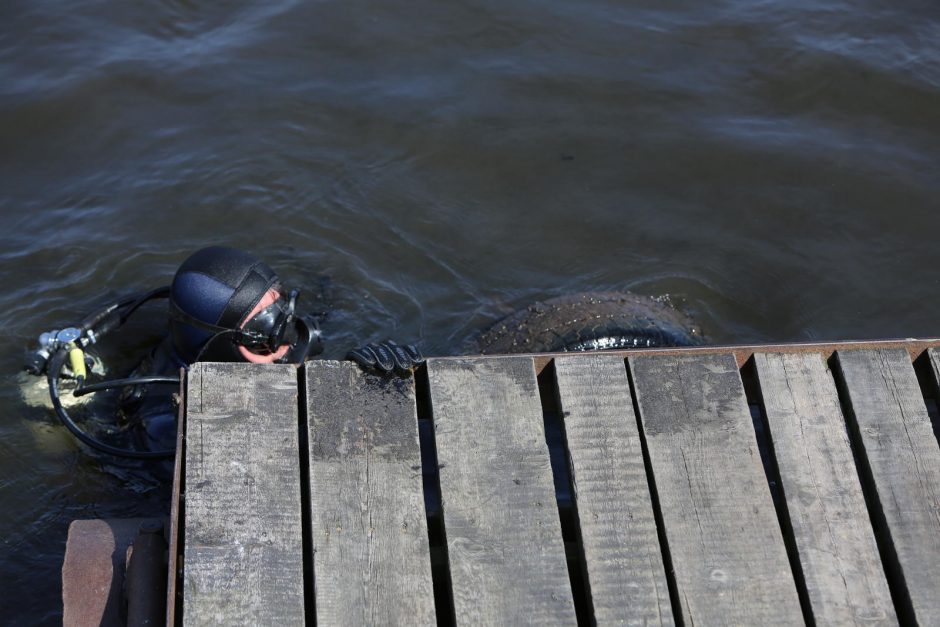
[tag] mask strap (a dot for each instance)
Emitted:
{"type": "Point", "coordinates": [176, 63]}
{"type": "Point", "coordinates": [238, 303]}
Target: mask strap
{"type": "Point", "coordinates": [239, 336]}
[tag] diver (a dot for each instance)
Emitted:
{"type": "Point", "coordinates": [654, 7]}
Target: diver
{"type": "Point", "coordinates": [223, 305]}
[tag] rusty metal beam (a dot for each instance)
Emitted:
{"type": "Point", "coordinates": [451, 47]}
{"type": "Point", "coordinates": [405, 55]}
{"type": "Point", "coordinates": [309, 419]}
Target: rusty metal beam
{"type": "Point", "coordinates": [94, 569]}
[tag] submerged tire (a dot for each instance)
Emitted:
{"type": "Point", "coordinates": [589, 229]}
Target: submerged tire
{"type": "Point", "coordinates": [590, 321]}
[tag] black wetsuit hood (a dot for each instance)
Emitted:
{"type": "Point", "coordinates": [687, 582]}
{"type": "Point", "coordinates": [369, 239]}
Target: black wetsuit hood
{"type": "Point", "coordinates": [219, 286]}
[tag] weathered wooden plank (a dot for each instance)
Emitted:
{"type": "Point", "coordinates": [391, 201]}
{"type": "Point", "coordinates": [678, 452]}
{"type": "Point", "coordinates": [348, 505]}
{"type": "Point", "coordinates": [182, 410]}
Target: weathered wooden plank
{"type": "Point", "coordinates": [623, 561]}
{"type": "Point", "coordinates": [901, 456]}
{"type": "Point", "coordinates": [507, 556]}
{"type": "Point", "coordinates": [838, 554]}
{"type": "Point", "coordinates": [176, 505]}
{"type": "Point", "coordinates": [727, 550]}
{"type": "Point", "coordinates": [370, 541]}
{"type": "Point", "coordinates": [243, 557]}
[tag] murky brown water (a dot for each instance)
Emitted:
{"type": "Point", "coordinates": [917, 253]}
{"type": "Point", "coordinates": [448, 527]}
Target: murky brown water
{"type": "Point", "coordinates": [772, 166]}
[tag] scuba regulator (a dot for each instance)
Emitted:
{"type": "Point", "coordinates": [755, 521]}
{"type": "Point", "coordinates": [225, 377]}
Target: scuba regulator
{"type": "Point", "coordinates": [50, 342]}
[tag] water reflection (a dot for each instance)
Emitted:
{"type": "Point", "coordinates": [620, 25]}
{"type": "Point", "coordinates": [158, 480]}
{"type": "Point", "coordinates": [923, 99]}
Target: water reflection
{"type": "Point", "coordinates": [770, 166]}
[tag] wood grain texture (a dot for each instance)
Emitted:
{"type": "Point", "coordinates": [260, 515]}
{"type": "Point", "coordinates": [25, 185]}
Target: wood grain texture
{"type": "Point", "coordinates": [370, 540]}
{"type": "Point", "coordinates": [889, 417]}
{"type": "Point", "coordinates": [507, 557]}
{"type": "Point", "coordinates": [838, 554]}
{"type": "Point", "coordinates": [623, 561]}
{"type": "Point", "coordinates": [175, 542]}
{"type": "Point", "coordinates": [243, 557]}
{"type": "Point", "coordinates": [727, 550]}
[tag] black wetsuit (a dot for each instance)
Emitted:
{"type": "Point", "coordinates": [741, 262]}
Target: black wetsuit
{"type": "Point", "coordinates": [152, 410]}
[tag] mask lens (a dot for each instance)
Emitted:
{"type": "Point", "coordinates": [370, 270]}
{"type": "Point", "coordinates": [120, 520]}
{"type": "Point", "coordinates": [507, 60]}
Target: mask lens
{"type": "Point", "coordinates": [270, 324]}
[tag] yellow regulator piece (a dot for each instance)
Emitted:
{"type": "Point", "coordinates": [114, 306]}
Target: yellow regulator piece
{"type": "Point", "coordinates": [77, 362]}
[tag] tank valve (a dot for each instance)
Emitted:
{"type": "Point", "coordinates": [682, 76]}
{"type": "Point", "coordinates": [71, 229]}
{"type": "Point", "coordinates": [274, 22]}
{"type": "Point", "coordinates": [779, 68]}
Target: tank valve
{"type": "Point", "coordinates": [38, 360]}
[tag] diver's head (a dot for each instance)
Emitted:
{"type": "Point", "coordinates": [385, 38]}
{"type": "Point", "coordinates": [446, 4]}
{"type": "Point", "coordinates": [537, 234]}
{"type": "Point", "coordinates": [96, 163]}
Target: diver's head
{"type": "Point", "coordinates": [226, 305]}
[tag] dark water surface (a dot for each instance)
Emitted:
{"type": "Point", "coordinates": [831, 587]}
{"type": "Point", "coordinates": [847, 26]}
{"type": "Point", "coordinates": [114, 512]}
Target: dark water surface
{"type": "Point", "coordinates": [772, 166]}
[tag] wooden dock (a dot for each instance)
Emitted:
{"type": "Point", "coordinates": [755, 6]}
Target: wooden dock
{"type": "Point", "coordinates": [740, 485]}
